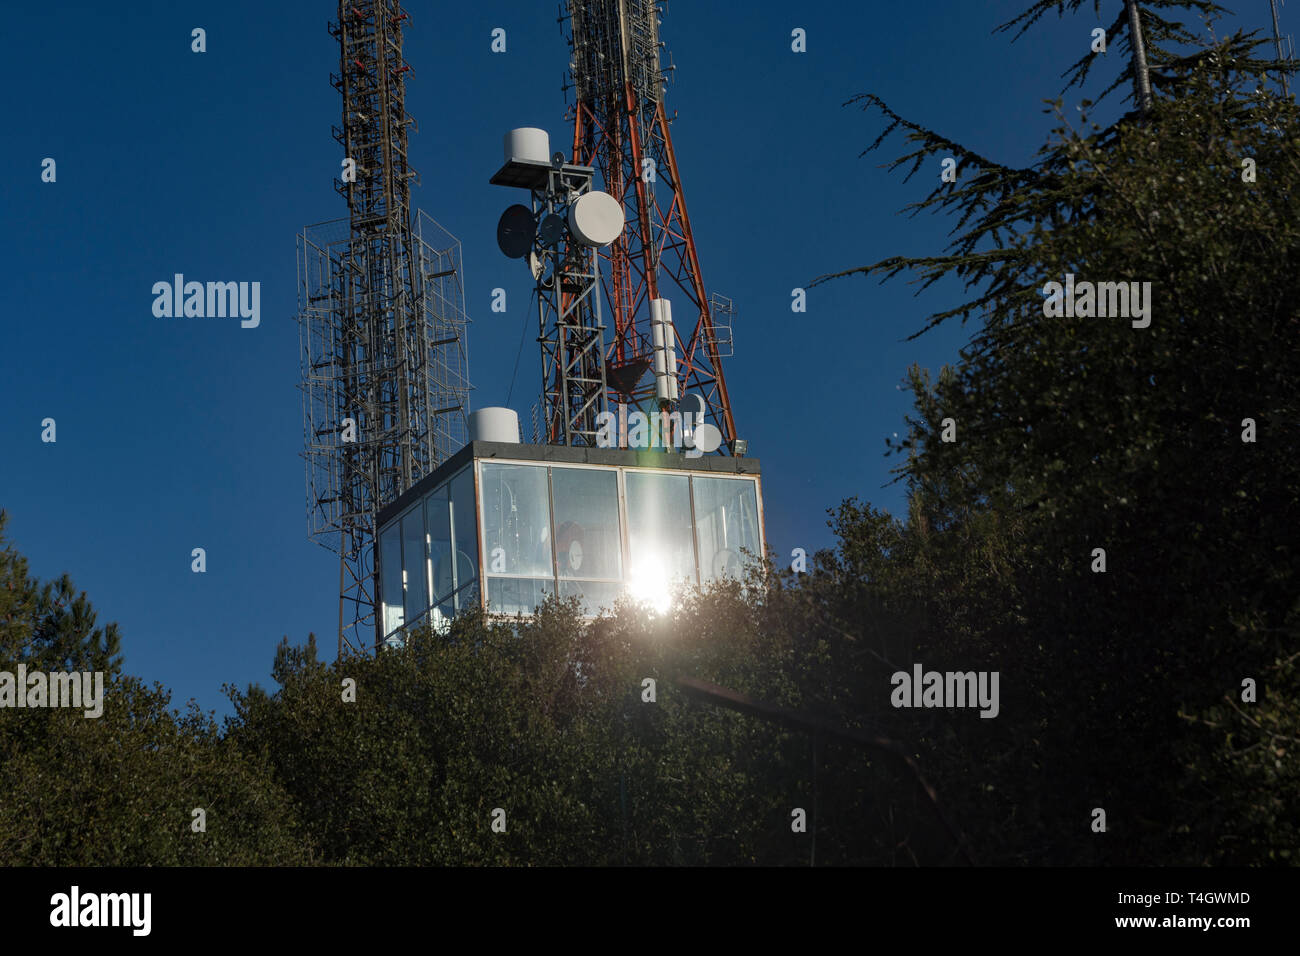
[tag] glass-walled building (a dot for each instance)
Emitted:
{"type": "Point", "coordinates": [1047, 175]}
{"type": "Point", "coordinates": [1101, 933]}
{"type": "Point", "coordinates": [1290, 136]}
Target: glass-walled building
{"type": "Point", "coordinates": [504, 525]}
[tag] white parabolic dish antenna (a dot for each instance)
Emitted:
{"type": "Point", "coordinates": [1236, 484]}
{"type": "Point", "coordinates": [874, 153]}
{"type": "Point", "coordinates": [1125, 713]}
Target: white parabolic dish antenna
{"type": "Point", "coordinates": [596, 218]}
{"type": "Point", "coordinates": [707, 437]}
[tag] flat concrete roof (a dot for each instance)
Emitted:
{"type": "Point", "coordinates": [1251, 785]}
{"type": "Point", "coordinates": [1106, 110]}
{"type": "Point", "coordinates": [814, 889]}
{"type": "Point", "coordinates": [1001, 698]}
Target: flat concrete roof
{"type": "Point", "coordinates": [569, 455]}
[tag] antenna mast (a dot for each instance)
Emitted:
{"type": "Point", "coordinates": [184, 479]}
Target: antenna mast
{"type": "Point", "coordinates": [621, 127]}
{"type": "Point", "coordinates": [1277, 41]}
{"type": "Point", "coordinates": [381, 321]}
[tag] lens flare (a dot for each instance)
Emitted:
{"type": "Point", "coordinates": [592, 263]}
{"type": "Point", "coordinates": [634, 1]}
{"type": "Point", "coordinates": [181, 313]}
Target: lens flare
{"type": "Point", "coordinates": [649, 584]}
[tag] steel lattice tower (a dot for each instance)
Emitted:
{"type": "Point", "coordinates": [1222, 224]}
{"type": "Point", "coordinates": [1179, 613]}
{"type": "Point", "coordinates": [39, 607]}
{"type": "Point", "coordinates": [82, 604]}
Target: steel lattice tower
{"type": "Point", "coordinates": [1277, 42]}
{"type": "Point", "coordinates": [568, 308]}
{"type": "Point", "coordinates": [622, 129]}
{"type": "Point", "coordinates": [381, 321]}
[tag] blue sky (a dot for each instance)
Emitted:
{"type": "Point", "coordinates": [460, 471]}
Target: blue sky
{"type": "Point", "coordinates": [181, 433]}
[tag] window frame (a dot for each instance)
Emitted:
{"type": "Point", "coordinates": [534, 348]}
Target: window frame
{"type": "Point", "coordinates": [621, 472]}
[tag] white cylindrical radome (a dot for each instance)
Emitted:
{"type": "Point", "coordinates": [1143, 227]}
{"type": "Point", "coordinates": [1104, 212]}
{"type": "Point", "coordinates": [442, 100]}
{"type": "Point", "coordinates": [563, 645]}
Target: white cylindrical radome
{"type": "Point", "coordinates": [658, 335]}
{"type": "Point", "coordinates": [528, 144]}
{"type": "Point", "coordinates": [494, 424]}
{"type": "Point", "coordinates": [665, 338]}
{"type": "Point", "coordinates": [670, 351]}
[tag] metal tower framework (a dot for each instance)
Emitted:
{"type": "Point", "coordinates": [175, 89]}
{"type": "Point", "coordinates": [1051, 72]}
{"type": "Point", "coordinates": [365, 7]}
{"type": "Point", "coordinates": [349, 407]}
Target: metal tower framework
{"type": "Point", "coordinates": [1277, 42]}
{"type": "Point", "coordinates": [381, 322]}
{"type": "Point", "coordinates": [568, 312]}
{"type": "Point", "coordinates": [622, 129]}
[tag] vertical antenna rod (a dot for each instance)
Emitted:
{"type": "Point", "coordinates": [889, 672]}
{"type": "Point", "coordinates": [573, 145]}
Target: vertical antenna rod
{"type": "Point", "coordinates": [1277, 41]}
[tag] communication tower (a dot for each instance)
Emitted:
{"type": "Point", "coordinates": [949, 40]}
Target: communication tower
{"type": "Point", "coordinates": [382, 324]}
{"type": "Point", "coordinates": [621, 127]}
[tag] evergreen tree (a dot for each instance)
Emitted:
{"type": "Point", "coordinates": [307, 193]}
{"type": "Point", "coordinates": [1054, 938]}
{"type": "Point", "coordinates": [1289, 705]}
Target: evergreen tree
{"type": "Point", "coordinates": [1096, 434]}
{"type": "Point", "coordinates": [50, 626]}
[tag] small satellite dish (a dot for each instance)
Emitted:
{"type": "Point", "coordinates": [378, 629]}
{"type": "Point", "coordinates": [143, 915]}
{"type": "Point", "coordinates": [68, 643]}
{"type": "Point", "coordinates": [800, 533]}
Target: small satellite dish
{"type": "Point", "coordinates": [515, 231]}
{"type": "Point", "coordinates": [692, 408]}
{"type": "Point", "coordinates": [535, 265]}
{"type": "Point", "coordinates": [557, 160]}
{"type": "Point", "coordinates": [596, 218]}
{"type": "Point", "coordinates": [707, 437]}
{"type": "Point", "coordinates": [693, 404]}
{"type": "Point", "coordinates": [551, 230]}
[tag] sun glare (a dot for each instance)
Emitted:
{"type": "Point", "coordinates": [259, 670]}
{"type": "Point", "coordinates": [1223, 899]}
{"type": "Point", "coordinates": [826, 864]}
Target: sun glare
{"type": "Point", "coordinates": [650, 586]}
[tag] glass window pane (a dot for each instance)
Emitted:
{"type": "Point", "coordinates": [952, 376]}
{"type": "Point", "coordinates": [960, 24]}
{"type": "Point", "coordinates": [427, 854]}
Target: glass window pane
{"type": "Point", "coordinates": [414, 564]}
{"type": "Point", "coordinates": [516, 520]}
{"type": "Point", "coordinates": [595, 596]}
{"type": "Point", "coordinates": [587, 539]}
{"type": "Point", "coordinates": [517, 595]}
{"type": "Point", "coordinates": [467, 597]}
{"type": "Point", "coordinates": [726, 520]}
{"type": "Point", "coordinates": [660, 549]}
{"type": "Point", "coordinates": [437, 517]}
{"type": "Point", "coordinates": [390, 560]}
{"type": "Point", "coordinates": [466, 527]}
{"type": "Point", "coordinates": [440, 618]}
